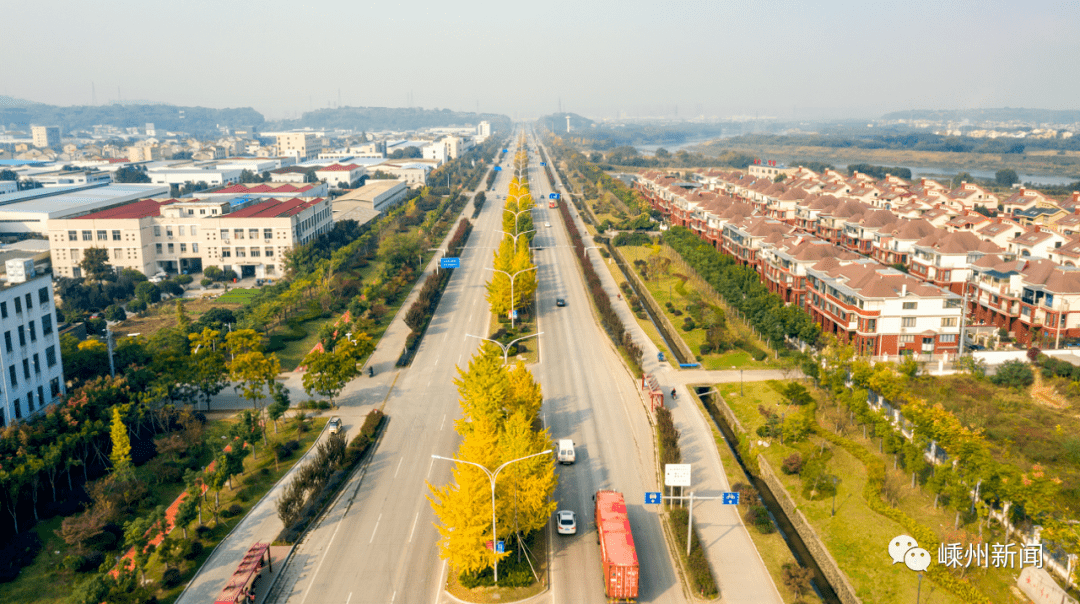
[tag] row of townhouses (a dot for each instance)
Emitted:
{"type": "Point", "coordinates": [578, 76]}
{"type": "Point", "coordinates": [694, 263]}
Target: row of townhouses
{"type": "Point", "coordinates": [886, 264]}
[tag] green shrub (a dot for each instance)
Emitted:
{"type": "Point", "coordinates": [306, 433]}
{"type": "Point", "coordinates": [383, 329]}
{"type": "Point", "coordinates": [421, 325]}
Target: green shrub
{"type": "Point", "coordinates": [232, 510]}
{"type": "Point", "coordinates": [192, 549]}
{"type": "Point", "coordinates": [793, 464]}
{"type": "Point", "coordinates": [758, 516]}
{"type": "Point", "coordinates": [171, 577]}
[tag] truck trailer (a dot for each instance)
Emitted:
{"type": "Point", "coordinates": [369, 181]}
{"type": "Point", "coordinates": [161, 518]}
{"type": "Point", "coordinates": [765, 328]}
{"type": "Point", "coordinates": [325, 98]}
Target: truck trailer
{"type": "Point", "coordinates": [617, 552]}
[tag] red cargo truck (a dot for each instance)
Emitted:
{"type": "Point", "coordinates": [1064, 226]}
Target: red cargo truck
{"type": "Point", "coordinates": [617, 552]}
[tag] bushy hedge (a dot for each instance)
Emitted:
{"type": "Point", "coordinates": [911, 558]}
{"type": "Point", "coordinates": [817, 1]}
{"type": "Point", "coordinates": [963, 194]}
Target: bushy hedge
{"type": "Point", "coordinates": [667, 436]}
{"type": "Point", "coordinates": [697, 565]}
{"type": "Point", "coordinates": [318, 480]}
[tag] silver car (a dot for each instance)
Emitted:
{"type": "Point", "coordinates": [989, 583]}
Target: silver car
{"type": "Point", "coordinates": [335, 425]}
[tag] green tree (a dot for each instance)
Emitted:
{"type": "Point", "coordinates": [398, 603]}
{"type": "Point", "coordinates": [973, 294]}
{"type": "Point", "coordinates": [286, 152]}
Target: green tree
{"type": "Point", "coordinates": [1006, 177]}
{"type": "Point", "coordinates": [148, 293]}
{"type": "Point", "coordinates": [121, 444]}
{"type": "Point", "coordinates": [1014, 374]}
{"type": "Point", "coordinates": [208, 363]}
{"type": "Point", "coordinates": [190, 507]}
{"type": "Point", "coordinates": [328, 372]}
{"type": "Point", "coordinates": [95, 264]}
{"type": "Point", "coordinates": [132, 174]}
{"type": "Point", "coordinates": [400, 250]}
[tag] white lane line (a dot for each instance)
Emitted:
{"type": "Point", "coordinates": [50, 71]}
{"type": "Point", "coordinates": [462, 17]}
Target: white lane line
{"type": "Point", "coordinates": [323, 559]}
{"type": "Point", "coordinates": [428, 383]}
{"type": "Point", "coordinates": [376, 529]}
{"type": "Point", "coordinates": [443, 422]}
{"type": "Point", "coordinates": [393, 597]}
{"type": "Point", "coordinates": [459, 360]}
{"type": "Point", "coordinates": [348, 598]}
{"type": "Point", "coordinates": [428, 470]}
{"type": "Point", "coordinates": [398, 467]}
{"type": "Point", "coordinates": [413, 526]}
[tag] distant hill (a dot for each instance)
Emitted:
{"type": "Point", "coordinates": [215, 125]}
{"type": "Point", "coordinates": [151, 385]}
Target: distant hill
{"type": "Point", "coordinates": [83, 117]}
{"type": "Point", "coordinates": [1005, 114]}
{"type": "Point", "coordinates": [390, 118]}
{"type": "Point", "coordinates": [556, 122]}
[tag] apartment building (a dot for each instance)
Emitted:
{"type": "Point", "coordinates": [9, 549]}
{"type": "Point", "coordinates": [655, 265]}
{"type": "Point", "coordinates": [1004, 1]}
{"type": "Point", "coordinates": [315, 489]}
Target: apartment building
{"type": "Point", "coordinates": [46, 136]}
{"type": "Point", "coordinates": [301, 145]}
{"type": "Point", "coordinates": [247, 235]}
{"type": "Point", "coordinates": [33, 372]}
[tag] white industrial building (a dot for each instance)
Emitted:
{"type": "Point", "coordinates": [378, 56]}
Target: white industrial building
{"type": "Point", "coordinates": [30, 211]}
{"type": "Point", "coordinates": [33, 372]}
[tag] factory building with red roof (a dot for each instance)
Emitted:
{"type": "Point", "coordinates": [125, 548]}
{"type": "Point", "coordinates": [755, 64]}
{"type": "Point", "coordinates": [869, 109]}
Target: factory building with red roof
{"type": "Point", "coordinates": [248, 235]}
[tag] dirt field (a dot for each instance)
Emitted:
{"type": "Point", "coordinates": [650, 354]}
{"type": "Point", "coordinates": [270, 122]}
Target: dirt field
{"type": "Point", "coordinates": [165, 316]}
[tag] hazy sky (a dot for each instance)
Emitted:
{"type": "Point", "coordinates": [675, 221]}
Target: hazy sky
{"type": "Point", "coordinates": [601, 58]}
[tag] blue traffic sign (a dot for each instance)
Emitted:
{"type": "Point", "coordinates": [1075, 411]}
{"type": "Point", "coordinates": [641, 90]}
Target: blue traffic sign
{"type": "Point", "coordinates": [500, 547]}
{"type": "Point", "coordinates": [652, 497]}
{"type": "Point", "coordinates": [731, 498]}
{"type": "Point", "coordinates": [543, 163]}
{"type": "Point", "coordinates": [450, 262]}
{"type": "Point", "coordinates": [498, 168]}
{"type": "Point", "coordinates": [505, 150]}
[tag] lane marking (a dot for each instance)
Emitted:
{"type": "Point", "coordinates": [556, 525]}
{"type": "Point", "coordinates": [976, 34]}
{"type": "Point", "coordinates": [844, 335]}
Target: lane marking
{"type": "Point", "coordinates": [413, 526]}
{"type": "Point", "coordinates": [393, 597]}
{"type": "Point", "coordinates": [321, 560]}
{"type": "Point", "coordinates": [428, 470]}
{"type": "Point", "coordinates": [348, 598]}
{"type": "Point", "coordinates": [398, 467]}
{"type": "Point", "coordinates": [443, 422]}
{"type": "Point", "coordinates": [375, 529]}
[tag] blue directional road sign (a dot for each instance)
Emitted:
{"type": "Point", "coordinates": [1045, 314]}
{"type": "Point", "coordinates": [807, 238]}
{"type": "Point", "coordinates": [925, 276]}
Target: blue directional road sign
{"type": "Point", "coordinates": [731, 498]}
{"type": "Point", "coordinates": [543, 163]}
{"type": "Point", "coordinates": [498, 168]}
{"type": "Point", "coordinates": [500, 547]}
{"type": "Point", "coordinates": [652, 497]}
{"type": "Point", "coordinates": [554, 195]}
{"type": "Point", "coordinates": [450, 262]}
{"type": "Point", "coordinates": [506, 150]}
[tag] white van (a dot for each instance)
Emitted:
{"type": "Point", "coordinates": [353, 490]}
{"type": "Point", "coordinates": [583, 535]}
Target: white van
{"type": "Point", "coordinates": [566, 451]}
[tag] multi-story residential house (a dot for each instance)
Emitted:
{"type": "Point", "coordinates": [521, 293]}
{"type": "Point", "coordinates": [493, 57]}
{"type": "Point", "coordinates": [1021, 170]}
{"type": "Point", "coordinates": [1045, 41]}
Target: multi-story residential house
{"type": "Point", "coordinates": [1026, 199]}
{"type": "Point", "coordinates": [1036, 243]}
{"type": "Point", "coordinates": [860, 232]}
{"type": "Point", "coordinates": [881, 310]}
{"type": "Point", "coordinates": [1000, 232]}
{"type": "Point", "coordinates": [1037, 301]}
{"type": "Point", "coordinates": [968, 196]}
{"type": "Point", "coordinates": [784, 264]}
{"type": "Point", "coordinates": [248, 236]}
{"type": "Point", "coordinates": [33, 372]}
{"type": "Point", "coordinates": [944, 259]}
{"type": "Point", "coordinates": [893, 244]}
{"type": "Point", "coordinates": [744, 239]}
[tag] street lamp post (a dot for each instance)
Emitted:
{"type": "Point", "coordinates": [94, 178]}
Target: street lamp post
{"type": "Point", "coordinates": [512, 277]}
{"type": "Point", "coordinates": [506, 348]}
{"type": "Point", "coordinates": [516, 215]}
{"type": "Point", "coordinates": [583, 250]}
{"type": "Point", "coordinates": [491, 477]}
{"type": "Point", "coordinates": [515, 237]}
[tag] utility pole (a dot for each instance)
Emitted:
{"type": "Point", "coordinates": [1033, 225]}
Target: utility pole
{"type": "Point", "coordinates": [109, 343]}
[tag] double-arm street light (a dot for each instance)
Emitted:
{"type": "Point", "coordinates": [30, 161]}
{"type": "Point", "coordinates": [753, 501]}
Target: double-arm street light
{"type": "Point", "coordinates": [505, 347]}
{"type": "Point", "coordinates": [491, 478]}
{"type": "Point", "coordinates": [516, 216]}
{"type": "Point", "coordinates": [512, 277]}
{"type": "Point", "coordinates": [515, 236]}
{"type": "Point", "coordinates": [585, 256]}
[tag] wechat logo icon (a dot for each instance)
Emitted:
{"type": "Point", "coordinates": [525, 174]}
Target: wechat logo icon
{"type": "Point", "coordinates": [904, 548]}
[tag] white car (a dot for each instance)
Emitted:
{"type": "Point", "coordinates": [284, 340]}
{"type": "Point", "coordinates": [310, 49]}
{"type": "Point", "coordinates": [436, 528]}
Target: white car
{"type": "Point", "coordinates": [335, 425]}
{"type": "Point", "coordinates": [566, 521]}
{"type": "Point", "coordinates": [547, 224]}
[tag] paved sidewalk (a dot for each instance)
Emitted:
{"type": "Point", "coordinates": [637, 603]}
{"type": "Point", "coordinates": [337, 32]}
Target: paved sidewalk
{"type": "Point", "coordinates": [736, 563]}
{"type": "Point", "coordinates": [359, 396]}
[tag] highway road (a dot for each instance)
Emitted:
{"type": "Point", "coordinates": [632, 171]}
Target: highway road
{"type": "Point", "coordinates": [378, 542]}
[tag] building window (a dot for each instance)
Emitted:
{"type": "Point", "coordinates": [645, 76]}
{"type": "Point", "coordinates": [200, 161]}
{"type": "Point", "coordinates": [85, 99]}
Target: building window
{"type": "Point", "coordinates": [26, 368]}
{"type": "Point", "coordinates": [195, 248]}
{"type": "Point", "coordinates": [224, 233]}
{"type": "Point", "coordinates": [87, 236]}
{"type": "Point", "coordinates": [7, 341]}
{"type": "Point", "coordinates": [911, 305]}
{"type": "Point", "coordinates": [13, 375]}
{"type": "Point", "coordinates": [171, 248]}
{"type": "Point", "coordinates": [157, 231]}
{"type": "Point", "coordinates": [29, 301]}
{"type": "Point", "coordinates": [949, 322]}
{"type": "Point", "coordinates": [22, 335]}
{"type": "Point", "coordinates": [18, 304]}
{"type": "Point", "coordinates": [41, 395]}
{"type": "Point", "coordinates": [54, 387]}
{"type": "Point", "coordinates": [268, 233]}
{"type": "Point", "coordinates": [253, 233]}
{"type": "Point", "coordinates": [37, 363]}
{"type": "Point", "coordinates": [269, 252]}
{"type": "Point", "coordinates": [33, 331]}
{"type": "Point", "coordinates": [168, 231]}
{"type": "Point", "coordinates": [238, 233]}
{"type": "Point", "coordinates": [157, 247]}
{"type": "Point", "coordinates": [76, 272]}
{"type": "Point", "coordinates": [180, 230]}
{"type": "Point", "coordinates": [73, 235]}
{"type": "Point", "coordinates": [947, 338]}
{"type": "Point", "coordinates": [116, 236]}
{"type": "Point", "coordinates": [226, 252]}
{"type": "Point", "coordinates": [50, 356]}
{"type": "Point", "coordinates": [3, 310]}
{"type": "Point", "coordinates": [18, 408]}
{"type": "Point", "coordinates": [907, 322]}
{"type": "Point", "coordinates": [30, 401]}
{"type": "Point", "coordinates": [241, 252]}
{"type": "Point", "coordinates": [193, 230]}
{"type": "Point", "coordinates": [255, 253]}
{"type": "Point", "coordinates": [117, 253]}
{"type": "Point", "coordinates": [46, 325]}
{"type": "Point", "coordinates": [202, 211]}
{"type": "Point", "coordinates": [907, 339]}
{"type": "Point", "coordinates": [183, 248]}
{"type": "Point", "coordinates": [103, 235]}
